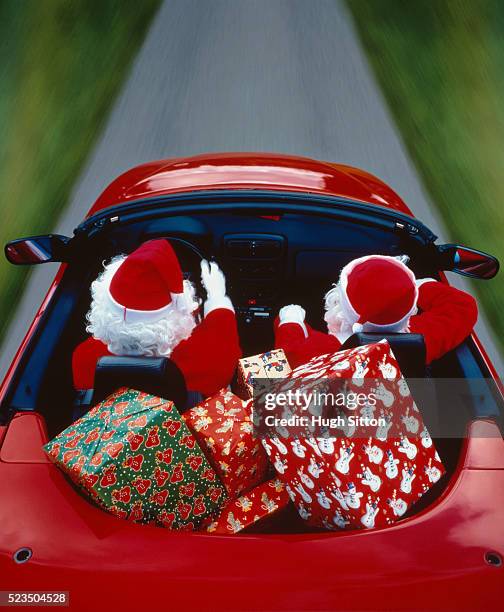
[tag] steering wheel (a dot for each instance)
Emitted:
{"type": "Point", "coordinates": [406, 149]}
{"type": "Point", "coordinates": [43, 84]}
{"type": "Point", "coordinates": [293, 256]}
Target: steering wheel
{"type": "Point", "coordinates": [190, 258]}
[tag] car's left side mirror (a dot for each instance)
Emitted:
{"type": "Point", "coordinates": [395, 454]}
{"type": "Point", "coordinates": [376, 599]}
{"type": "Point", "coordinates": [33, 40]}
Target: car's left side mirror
{"type": "Point", "coordinates": [468, 262]}
{"type": "Point", "coordinates": [37, 249]}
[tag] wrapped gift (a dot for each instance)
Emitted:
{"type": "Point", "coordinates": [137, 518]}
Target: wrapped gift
{"type": "Point", "coordinates": [134, 456]}
{"type": "Point", "coordinates": [356, 480]}
{"type": "Point", "coordinates": [223, 428]}
{"type": "Point", "coordinates": [261, 502]}
{"type": "Point", "coordinates": [251, 370]}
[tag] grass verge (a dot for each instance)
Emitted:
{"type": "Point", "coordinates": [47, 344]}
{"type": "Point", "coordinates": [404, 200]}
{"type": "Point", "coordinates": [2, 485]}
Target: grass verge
{"type": "Point", "coordinates": [63, 62]}
{"type": "Point", "coordinates": [441, 67]}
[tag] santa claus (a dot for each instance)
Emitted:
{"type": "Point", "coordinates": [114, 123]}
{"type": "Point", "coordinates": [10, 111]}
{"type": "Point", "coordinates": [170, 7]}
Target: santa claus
{"type": "Point", "coordinates": [378, 293]}
{"type": "Point", "coordinates": [142, 306]}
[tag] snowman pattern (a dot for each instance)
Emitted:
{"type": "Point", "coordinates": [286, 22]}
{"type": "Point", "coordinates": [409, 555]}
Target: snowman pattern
{"type": "Point", "coordinates": [398, 505]}
{"type": "Point", "coordinates": [360, 372]}
{"type": "Point", "coordinates": [339, 497]}
{"type": "Point", "coordinates": [411, 423]}
{"type": "Point", "coordinates": [373, 481]}
{"type": "Point", "coordinates": [382, 430]}
{"type": "Point", "coordinates": [305, 479]}
{"type": "Point", "coordinates": [403, 387]}
{"type": "Point", "coordinates": [425, 438]}
{"type": "Point", "coordinates": [324, 485]}
{"type": "Point", "coordinates": [315, 468]}
{"type": "Point", "coordinates": [391, 469]}
{"type": "Point", "coordinates": [368, 518]}
{"type": "Point", "coordinates": [298, 449]}
{"type": "Point", "coordinates": [326, 445]}
{"type": "Point", "coordinates": [367, 412]}
{"type": "Point", "coordinates": [373, 452]}
{"type": "Point", "coordinates": [384, 395]}
{"type": "Point", "coordinates": [408, 476]}
{"type": "Point", "coordinates": [433, 473]}
{"type": "Point", "coordinates": [303, 511]}
{"type": "Point", "coordinates": [280, 464]}
{"type": "Point", "coordinates": [323, 500]}
{"type": "Point", "coordinates": [352, 496]}
{"type": "Point", "coordinates": [407, 448]}
{"type": "Point", "coordinates": [345, 457]}
{"type": "Point", "coordinates": [339, 520]}
{"type": "Point", "coordinates": [387, 370]}
{"type": "Point", "coordinates": [305, 496]}
{"type": "Point", "coordinates": [280, 445]}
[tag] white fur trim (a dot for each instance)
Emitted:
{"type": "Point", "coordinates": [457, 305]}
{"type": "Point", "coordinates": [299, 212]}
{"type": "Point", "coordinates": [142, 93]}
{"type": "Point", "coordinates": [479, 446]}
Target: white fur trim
{"type": "Point", "coordinates": [293, 313]}
{"type": "Point", "coordinates": [424, 281]}
{"type": "Point", "coordinates": [353, 316]}
{"type": "Point", "coordinates": [131, 315]}
{"type": "Point", "coordinates": [301, 324]}
{"type": "Point", "coordinates": [214, 303]}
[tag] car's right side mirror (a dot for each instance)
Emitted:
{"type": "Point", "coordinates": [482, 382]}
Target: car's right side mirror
{"type": "Point", "coordinates": [468, 262]}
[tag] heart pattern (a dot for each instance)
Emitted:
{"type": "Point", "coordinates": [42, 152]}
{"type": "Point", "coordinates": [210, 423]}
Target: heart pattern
{"type": "Point", "coordinates": [135, 457]}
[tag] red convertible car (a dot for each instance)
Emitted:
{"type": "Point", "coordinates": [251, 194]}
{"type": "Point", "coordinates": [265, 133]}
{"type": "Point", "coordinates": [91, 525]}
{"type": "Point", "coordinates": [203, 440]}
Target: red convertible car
{"type": "Point", "coordinates": [277, 225]}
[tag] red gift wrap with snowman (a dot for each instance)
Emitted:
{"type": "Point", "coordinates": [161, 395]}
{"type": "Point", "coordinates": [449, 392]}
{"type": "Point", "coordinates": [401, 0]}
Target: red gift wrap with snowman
{"type": "Point", "coordinates": [346, 480]}
{"type": "Point", "coordinates": [142, 306]}
{"type": "Point", "coordinates": [379, 293]}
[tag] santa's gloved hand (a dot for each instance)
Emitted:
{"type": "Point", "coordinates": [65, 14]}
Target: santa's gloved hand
{"type": "Point", "coordinates": [214, 282]}
{"type": "Point", "coordinates": [293, 313]}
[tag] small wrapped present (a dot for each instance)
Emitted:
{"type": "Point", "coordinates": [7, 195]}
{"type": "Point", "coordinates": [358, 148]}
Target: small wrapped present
{"type": "Point", "coordinates": [251, 370]}
{"type": "Point", "coordinates": [135, 457]}
{"type": "Point", "coordinates": [261, 502]}
{"type": "Point", "coordinates": [355, 479]}
{"type": "Point", "coordinates": [223, 428]}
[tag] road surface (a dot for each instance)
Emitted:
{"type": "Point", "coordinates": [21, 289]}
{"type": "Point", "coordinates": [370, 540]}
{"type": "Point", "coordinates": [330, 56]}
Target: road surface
{"type": "Point", "coordinates": [245, 75]}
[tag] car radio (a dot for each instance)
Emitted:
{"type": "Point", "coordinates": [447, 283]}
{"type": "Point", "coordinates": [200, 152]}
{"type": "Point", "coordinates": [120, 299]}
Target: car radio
{"type": "Point", "coordinates": [255, 264]}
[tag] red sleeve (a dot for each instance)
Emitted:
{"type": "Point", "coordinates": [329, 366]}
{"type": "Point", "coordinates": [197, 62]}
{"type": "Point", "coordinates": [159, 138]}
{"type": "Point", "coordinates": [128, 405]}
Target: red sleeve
{"type": "Point", "coordinates": [447, 317]}
{"type": "Point", "coordinates": [297, 348]}
{"type": "Point", "coordinates": [208, 358]}
{"type": "Point", "coordinates": [84, 360]}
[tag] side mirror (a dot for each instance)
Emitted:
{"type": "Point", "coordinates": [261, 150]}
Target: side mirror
{"type": "Point", "coordinates": [37, 249]}
{"type": "Point", "coordinates": [468, 262]}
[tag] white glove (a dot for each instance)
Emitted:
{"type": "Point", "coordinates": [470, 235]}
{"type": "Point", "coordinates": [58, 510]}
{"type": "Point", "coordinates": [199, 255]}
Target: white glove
{"type": "Point", "coordinates": [293, 313]}
{"type": "Point", "coordinates": [214, 282]}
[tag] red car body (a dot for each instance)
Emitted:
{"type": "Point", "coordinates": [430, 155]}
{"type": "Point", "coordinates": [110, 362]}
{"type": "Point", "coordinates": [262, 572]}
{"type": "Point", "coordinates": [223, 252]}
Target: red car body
{"type": "Point", "coordinates": [440, 558]}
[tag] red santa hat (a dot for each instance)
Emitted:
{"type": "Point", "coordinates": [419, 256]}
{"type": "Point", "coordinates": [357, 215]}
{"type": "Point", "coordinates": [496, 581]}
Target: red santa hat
{"type": "Point", "coordinates": [379, 292]}
{"type": "Point", "coordinates": [146, 282]}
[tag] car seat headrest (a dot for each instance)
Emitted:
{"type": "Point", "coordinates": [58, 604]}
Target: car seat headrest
{"type": "Point", "coordinates": [408, 349]}
{"type": "Point", "coordinates": [155, 375]}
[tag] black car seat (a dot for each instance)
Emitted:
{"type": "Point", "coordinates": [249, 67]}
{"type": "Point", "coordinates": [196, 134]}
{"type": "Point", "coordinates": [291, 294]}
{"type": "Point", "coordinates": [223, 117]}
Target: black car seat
{"type": "Point", "coordinates": [408, 349]}
{"type": "Point", "coordinates": [155, 375]}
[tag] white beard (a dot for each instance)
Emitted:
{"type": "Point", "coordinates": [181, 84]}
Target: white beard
{"type": "Point", "coordinates": [338, 324]}
{"type": "Point", "coordinates": [148, 339]}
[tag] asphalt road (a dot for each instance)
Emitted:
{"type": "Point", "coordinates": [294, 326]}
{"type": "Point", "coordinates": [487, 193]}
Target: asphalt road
{"type": "Point", "coordinates": [245, 75]}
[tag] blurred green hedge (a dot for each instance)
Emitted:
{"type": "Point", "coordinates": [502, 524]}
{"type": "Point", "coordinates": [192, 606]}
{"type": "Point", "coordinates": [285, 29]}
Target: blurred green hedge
{"type": "Point", "coordinates": [441, 66]}
{"type": "Point", "coordinates": [62, 64]}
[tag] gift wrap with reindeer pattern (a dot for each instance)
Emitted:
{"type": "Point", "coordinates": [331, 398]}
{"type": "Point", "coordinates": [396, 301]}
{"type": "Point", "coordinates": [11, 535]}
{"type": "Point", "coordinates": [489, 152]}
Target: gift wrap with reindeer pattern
{"type": "Point", "coordinates": [135, 457]}
{"type": "Point", "coordinates": [354, 480]}
{"type": "Point", "coordinates": [258, 504]}
{"type": "Point", "coordinates": [223, 427]}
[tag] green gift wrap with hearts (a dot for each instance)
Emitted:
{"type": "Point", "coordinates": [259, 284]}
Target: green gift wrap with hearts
{"type": "Point", "coordinates": [135, 457]}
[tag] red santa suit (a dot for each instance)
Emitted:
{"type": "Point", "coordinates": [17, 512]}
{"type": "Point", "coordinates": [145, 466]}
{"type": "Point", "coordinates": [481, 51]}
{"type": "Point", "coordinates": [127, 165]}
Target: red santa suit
{"type": "Point", "coordinates": [141, 307]}
{"type": "Point", "coordinates": [380, 293]}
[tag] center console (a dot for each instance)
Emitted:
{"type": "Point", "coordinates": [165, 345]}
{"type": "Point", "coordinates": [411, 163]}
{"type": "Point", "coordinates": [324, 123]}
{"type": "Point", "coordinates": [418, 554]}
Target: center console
{"type": "Point", "coordinates": [256, 266]}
